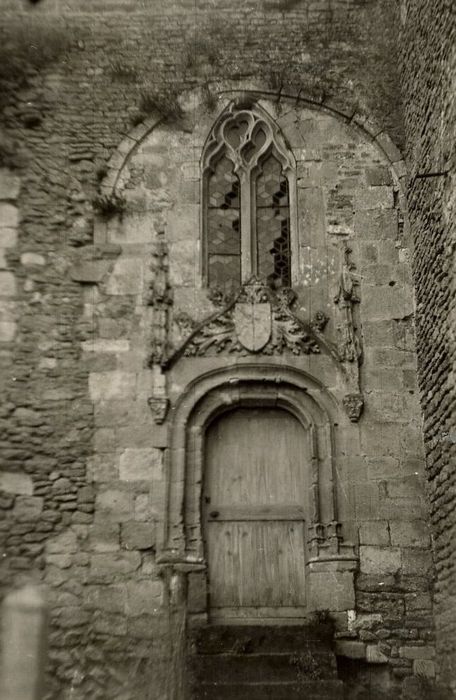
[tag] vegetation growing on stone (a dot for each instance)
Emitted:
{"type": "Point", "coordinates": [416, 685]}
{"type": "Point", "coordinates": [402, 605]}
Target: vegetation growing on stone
{"type": "Point", "coordinates": [109, 205]}
{"type": "Point", "coordinates": [29, 46]}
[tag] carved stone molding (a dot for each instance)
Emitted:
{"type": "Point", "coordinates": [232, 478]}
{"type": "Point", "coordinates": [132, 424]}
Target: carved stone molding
{"type": "Point", "coordinates": [256, 320]}
{"type": "Point", "coordinates": [160, 297]}
{"type": "Point", "coordinates": [249, 384]}
{"type": "Point", "coordinates": [234, 133]}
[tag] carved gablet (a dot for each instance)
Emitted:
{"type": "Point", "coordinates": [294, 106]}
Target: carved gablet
{"type": "Point", "coordinates": [255, 320]}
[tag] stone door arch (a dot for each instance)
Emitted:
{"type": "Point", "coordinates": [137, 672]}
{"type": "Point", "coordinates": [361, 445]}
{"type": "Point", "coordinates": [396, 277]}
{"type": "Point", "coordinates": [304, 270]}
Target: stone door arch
{"type": "Point", "coordinates": [248, 385]}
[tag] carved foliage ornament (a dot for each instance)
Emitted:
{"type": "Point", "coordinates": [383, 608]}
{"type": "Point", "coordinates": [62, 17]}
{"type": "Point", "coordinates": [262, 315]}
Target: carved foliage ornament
{"type": "Point", "coordinates": [256, 320]}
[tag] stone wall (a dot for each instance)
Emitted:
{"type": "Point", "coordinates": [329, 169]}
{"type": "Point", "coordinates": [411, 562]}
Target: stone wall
{"type": "Point", "coordinates": [428, 69]}
{"type": "Point", "coordinates": [83, 470]}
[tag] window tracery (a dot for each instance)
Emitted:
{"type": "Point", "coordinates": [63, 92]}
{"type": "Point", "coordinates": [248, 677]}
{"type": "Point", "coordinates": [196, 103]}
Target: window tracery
{"type": "Point", "coordinates": [247, 173]}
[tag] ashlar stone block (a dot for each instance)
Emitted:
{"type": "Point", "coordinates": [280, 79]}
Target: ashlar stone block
{"type": "Point", "coordinates": [350, 649]}
{"type": "Point", "coordinates": [143, 597]}
{"type": "Point", "coordinates": [411, 652]}
{"type": "Point", "coordinates": [9, 216]}
{"type": "Point", "coordinates": [379, 560]}
{"type": "Point", "coordinates": [114, 564]}
{"type": "Point", "coordinates": [423, 667]}
{"type": "Point", "coordinates": [338, 596]}
{"type": "Point", "coordinates": [65, 543]}
{"type": "Point", "coordinates": [8, 237]}
{"type": "Point", "coordinates": [14, 482]}
{"type": "Point", "coordinates": [7, 284]}
{"type": "Point", "coordinates": [9, 184]}
{"type": "Point", "coordinates": [375, 533]}
{"type": "Point", "coordinates": [28, 507]}
{"type": "Point", "coordinates": [126, 277]}
{"type": "Point", "coordinates": [374, 198]}
{"type": "Point", "coordinates": [374, 655]}
{"type": "Point", "coordinates": [136, 535]}
{"type": "Point", "coordinates": [140, 464]}
{"type": "Point", "coordinates": [381, 303]}
{"type": "Point", "coordinates": [116, 503]}
{"type": "Point", "coordinates": [104, 536]}
{"type": "Point", "coordinates": [104, 386]}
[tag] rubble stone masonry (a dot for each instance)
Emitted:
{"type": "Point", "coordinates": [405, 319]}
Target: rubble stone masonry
{"type": "Point", "coordinates": [428, 61]}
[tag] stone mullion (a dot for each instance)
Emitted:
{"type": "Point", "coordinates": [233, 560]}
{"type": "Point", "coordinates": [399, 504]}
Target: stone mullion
{"type": "Point", "coordinates": [247, 249]}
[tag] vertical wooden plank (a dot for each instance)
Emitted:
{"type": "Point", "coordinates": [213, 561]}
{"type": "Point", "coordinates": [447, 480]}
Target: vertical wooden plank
{"type": "Point", "coordinates": [257, 457]}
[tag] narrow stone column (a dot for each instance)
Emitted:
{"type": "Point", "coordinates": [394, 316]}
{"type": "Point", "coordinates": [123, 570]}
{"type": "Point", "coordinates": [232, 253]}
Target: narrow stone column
{"type": "Point", "coordinates": [24, 641]}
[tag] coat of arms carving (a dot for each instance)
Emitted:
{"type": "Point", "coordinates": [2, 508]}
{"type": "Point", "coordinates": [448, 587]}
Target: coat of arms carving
{"type": "Point", "coordinates": [257, 319]}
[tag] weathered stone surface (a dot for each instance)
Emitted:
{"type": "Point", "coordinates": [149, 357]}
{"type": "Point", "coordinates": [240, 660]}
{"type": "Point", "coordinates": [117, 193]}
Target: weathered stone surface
{"type": "Point", "coordinates": [422, 667]}
{"type": "Point", "coordinates": [143, 597]}
{"type": "Point", "coordinates": [14, 482]}
{"type": "Point", "coordinates": [374, 655]}
{"type": "Point", "coordinates": [105, 345]}
{"type": "Point", "coordinates": [31, 259]}
{"type": "Point", "coordinates": [9, 215]}
{"type": "Point", "coordinates": [104, 386]}
{"type": "Point", "coordinates": [8, 237]}
{"type": "Point", "coordinates": [65, 543]}
{"type": "Point", "coordinates": [10, 184]}
{"type": "Point", "coordinates": [339, 596]}
{"type": "Point", "coordinates": [7, 284]}
{"type": "Point", "coordinates": [109, 565]}
{"type": "Point", "coordinates": [382, 303]}
{"type": "Point", "coordinates": [109, 598]}
{"type": "Point", "coordinates": [126, 277]}
{"type": "Point", "coordinates": [416, 561]}
{"type": "Point", "coordinates": [104, 536]}
{"type": "Point", "coordinates": [374, 532]}
{"type": "Point", "coordinates": [412, 533]}
{"type": "Point", "coordinates": [28, 507]}
{"type": "Point", "coordinates": [380, 560]}
{"type": "Point", "coordinates": [350, 649]}
{"type": "Point", "coordinates": [136, 535]}
{"type": "Point", "coordinates": [118, 504]}
{"type": "Point", "coordinates": [140, 464]}
{"type": "Point", "coordinates": [411, 652]}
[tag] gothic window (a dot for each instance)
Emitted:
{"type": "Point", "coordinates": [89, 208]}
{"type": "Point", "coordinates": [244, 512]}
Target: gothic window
{"type": "Point", "coordinates": [247, 173]}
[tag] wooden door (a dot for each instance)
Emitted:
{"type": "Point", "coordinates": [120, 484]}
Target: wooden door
{"type": "Point", "coordinates": [253, 514]}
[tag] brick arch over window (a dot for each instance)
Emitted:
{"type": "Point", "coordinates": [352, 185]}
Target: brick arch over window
{"type": "Point", "coordinates": [249, 200]}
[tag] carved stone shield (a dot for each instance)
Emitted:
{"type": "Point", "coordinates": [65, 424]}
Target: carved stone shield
{"type": "Point", "coordinates": [253, 324]}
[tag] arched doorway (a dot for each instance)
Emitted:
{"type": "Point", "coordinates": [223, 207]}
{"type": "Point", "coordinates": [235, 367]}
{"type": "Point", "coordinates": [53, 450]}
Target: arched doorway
{"type": "Point", "coordinates": [254, 511]}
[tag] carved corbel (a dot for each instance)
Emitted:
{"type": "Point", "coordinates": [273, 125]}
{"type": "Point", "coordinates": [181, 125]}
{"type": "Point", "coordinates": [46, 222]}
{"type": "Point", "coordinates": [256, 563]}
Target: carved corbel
{"type": "Point", "coordinates": [353, 404]}
{"type": "Point", "coordinates": [159, 406]}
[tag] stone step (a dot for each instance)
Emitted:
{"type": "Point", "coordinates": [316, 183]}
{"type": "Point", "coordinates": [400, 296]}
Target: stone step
{"type": "Point", "coordinates": [217, 639]}
{"type": "Point", "coordinates": [307, 690]}
{"type": "Point", "coordinates": [254, 668]}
